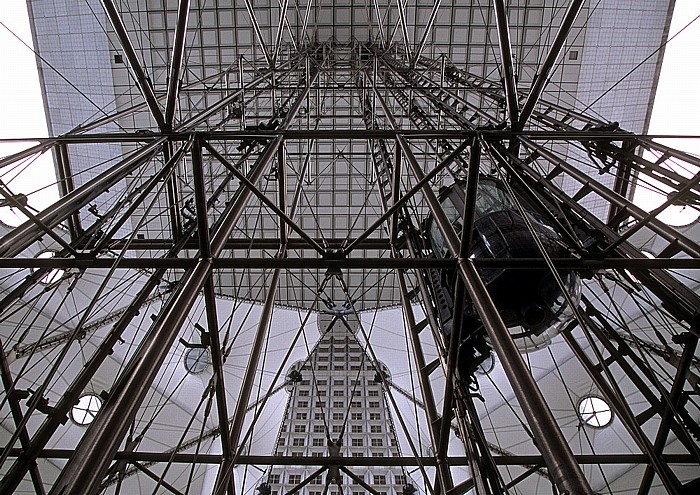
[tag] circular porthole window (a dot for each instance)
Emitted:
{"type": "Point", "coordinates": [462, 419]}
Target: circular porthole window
{"type": "Point", "coordinates": [196, 360]}
{"type": "Point", "coordinates": [55, 274]}
{"type": "Point", "coordinates": [84, 412]}
{"type": "Point", "coordinates": [595, 412]}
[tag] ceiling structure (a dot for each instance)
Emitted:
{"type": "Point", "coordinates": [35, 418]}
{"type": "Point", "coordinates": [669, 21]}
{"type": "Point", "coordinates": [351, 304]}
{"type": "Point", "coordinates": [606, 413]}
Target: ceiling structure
{"type": "Point", "coordinates": [222, 169]}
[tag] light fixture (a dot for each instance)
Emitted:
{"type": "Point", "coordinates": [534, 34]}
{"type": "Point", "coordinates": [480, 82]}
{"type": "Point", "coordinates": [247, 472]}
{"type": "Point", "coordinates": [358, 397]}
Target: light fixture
{"type": "Point", "coordinates": [84, 412]}
{"type": "Point", "coordinates": [53, 276]}
{"type": "Point", "coordinates": [196, 360]}
{"type": "Point", "coordinates": [595, 412]}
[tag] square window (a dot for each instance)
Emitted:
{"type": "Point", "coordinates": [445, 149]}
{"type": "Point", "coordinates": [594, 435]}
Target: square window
{"type": "Point", "coordinates": [377, 442]}
{"type": "Point", "coordinates": [273, 479]}
{"type": "Point", "coordinates": [299, 428]}
{"type": "Point", "coordinates": [318, 429]}
{"type": "Point", "coordinates": [317, 442]}
{"type": "Point", "coordinates": [573, 55]}
{"type": "Point", "coordinates": [339, 404]}
{"type": "Point", "coordinates": [379, 479]}
{"type": "Point", "coordinates": [374, 416]}
{"type": "Point", "coordinates": [375, 428]}
{"type": "Point", "coordinates": [356, 416]}
{"type": "Point", "coordinates": [301, 415]}
{"type": "Point", "coordinates": [356, 428]}
{"type": "Point", "coordinates": [294, 479]}
{"type": "Point", "coordinates": [338, 416]}
{"type": "Point", "coordinates": [373, 405]}
{"type": "Point", "coordinates": [356, 442]}
{"type": "Point", "coordinates": [298, 442]}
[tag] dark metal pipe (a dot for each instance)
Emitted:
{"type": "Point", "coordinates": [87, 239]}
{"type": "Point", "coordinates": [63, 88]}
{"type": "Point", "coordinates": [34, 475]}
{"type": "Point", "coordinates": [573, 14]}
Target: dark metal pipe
{"type": "Point", "coordinates": [183, 13]}
{"type": "Point", "coordinates": [691, 343]}
{"type": "Point", "coordinates": [426, 388]}
{"type": "Point", "coordinates": [210, 300]}
{"type": "Point", "coordinates": [507, 69]}
{"type": "Point", "coordinates": [142, 80]}
{"type": "Point", "coordinates": [668, 233]}
{"type": "Point", "coordinates": [247, 387]}
{"type": "Point", "coordinates": [15, 241]}
{"type": "Point", "coordinates": [426, 33]}
{"type": "Point", "coordinates": [86, 468]}
{"type": "Point", "coordinates": [271, 460]}
{"type": "Point", "coordinates": [566, 473]}
{"type": "Point", "coordinates": [542, 78]}
{"type": "Point", "coordinates": [66, 186]}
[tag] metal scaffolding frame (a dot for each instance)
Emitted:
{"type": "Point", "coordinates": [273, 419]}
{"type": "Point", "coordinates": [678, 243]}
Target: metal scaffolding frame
{"type": "Point", "coordinates": [416, 126]}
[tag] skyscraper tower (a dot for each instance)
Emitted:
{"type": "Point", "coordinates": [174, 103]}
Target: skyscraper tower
{"type": "Point", "coordinates": [337, 407]}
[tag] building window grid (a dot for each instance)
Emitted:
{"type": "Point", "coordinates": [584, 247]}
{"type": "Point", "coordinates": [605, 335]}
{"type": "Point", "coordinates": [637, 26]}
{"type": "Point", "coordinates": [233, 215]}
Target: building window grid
{"type": "Point", "coordinates": [356, 416]}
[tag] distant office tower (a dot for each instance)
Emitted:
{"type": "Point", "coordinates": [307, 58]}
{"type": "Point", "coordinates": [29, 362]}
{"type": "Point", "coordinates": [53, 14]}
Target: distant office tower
{"type": "Point", "coordinates": [337, 406]}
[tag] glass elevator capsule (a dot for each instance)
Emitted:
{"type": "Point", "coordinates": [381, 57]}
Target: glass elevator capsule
{"type": "Point", "coordinates": [529, 299]}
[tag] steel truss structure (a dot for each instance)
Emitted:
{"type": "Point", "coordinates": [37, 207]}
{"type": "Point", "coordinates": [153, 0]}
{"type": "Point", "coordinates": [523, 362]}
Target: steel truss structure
{"type": "Point", "coordinates": [242, 190]}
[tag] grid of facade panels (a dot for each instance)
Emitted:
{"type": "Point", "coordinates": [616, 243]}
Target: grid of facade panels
{"type": "Point", "coordinates": [336, 399]}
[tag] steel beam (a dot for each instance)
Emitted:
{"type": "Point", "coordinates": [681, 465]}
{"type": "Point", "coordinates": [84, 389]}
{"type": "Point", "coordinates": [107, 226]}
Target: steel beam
{"type": "Point", "coordinates": [66, 186]}
{"type": "Point", "coordinates": [26, 234]}
{"type": "Point", "coordinates": [691, 343]}
{"type": "Point", "coordinates": [142, 80]}
{"type": "Point", "coordinates": [426, 388]}
{"type": "Point", "coordinates": [407, 461]}
{"type": "Point", "coordinates": [210, 300]}
{"type": "Point", "coordinates": [258, 32]}
{"type": "Point", "coordinates": [220, 263]}
{"type": "Point", "coordinates": [426, 33]}
{"type": "Point", "coordinates": [225, 475]}
{"type": "Point", "coordinates": [86, 468]}
{"type": "Point", "coordinates": [280, 30]}
{"type": "Point", "coordinates": [542, 77]}
{"type": "Point", "coordinates": [550, 441]}
{"type": "Point", "coordinates": [183, 13]}
{"type": "Point", "coordinates": [507, 69]}
{"type": "Point", "coordinates": [401, 7]}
